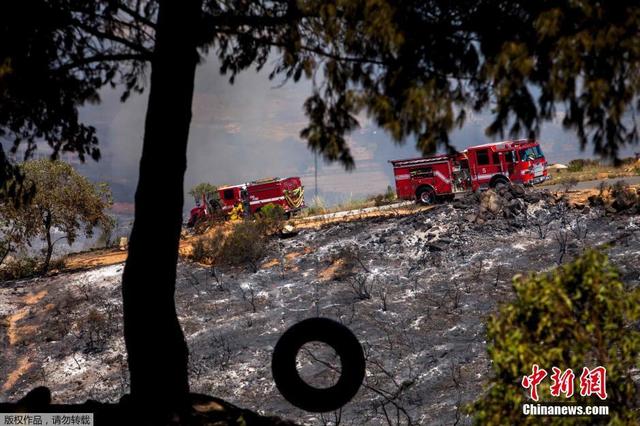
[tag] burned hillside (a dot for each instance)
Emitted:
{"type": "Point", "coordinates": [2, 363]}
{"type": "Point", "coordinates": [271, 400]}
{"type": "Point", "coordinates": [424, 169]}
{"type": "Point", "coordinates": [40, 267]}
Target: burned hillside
{"type": "Point", "coordinates": [415, 289]}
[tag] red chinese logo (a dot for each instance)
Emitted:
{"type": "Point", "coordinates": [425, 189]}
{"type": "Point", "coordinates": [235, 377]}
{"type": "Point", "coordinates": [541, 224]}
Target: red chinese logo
{"type": "Point", "coordinates": [562, 382]}
{"type": "Point", "coordinates": [531, 382]}
{"type": "Point", "coordinates": [594, 381]}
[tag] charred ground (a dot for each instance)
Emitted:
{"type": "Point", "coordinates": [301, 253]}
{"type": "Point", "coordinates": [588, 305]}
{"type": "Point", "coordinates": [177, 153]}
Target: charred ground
{"type": "Point", "coordinates": [415, 289]}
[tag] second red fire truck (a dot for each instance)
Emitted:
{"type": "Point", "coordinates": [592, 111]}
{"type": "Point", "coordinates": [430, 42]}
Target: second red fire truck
{"type": "Point", "coordinates": [250, 198]}
{"type": "Point", "coordinates": [478, 167]}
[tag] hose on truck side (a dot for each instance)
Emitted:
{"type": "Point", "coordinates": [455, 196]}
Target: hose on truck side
{"type": "Point", "coordinates": [294, 197]}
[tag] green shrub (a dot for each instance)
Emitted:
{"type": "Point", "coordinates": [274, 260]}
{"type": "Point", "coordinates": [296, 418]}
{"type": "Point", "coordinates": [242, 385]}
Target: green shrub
{"type": "Point", "coordinates": [270, 219]}
{"type": "Point", "coordinates": [199, 252]}
{"type": "Point", "coordinates": [57, 264]}
{"type": "Point", "coordinates": [578, 164]}
{"type": "Point", "coordinates": [24, 267]}
{"type": "Point", "coordinates": [316, 207]}
{"type": "Point", "coordinates": [390, 195]}
{"type": "Point", "coordinates": [245, 245]}
{"type": "Point", "coordinates": [207, 248]}
{"type": "Point", "coordinates": [628, 161]}
{"type": "Point", "coordinates": [579, 315]}
{"type": "Point", "coordinates": [575, 165]}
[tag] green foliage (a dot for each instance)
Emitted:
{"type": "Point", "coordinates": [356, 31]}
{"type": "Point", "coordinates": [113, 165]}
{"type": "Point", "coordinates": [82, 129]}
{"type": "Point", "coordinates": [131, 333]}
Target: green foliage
{"type": "Point", "coordinates": [579, 315]}
{"type": "Point", "coordinates": [380, 58]}
{"type": "Point", "coordinates": [210, 191]}
{"type": "Point", "coordinates": [387, 198]}
{"type": "Point", "coordinates": [624, 198]}
{"type": "Point", "coordinates": [107, 238]}
{"type": "Point", "coordinates": [577, 165]}
{"type": "Point", "coordinates": [317, 207]}
{"type": "Point", "coordinates": [20, 267]}
{"type": "Point", "coordinates": [270, 219]}
{"type": "Point", "coordinates": [12, 185]}
{"type": "Point", "coordinates": [390, 194]}
{"type": "Point", "coordinates": [59, 57]}
{"type": "Point", "coordinates": [199, 251]}
{"type": "Point", "coordinates": [628, 161]}
{"type": "Point", "coordinates": [245, 245]}
{"type": "Point", "coordinates": [272, 211]}
{"type": "Point", "coordinates": [64, 200]}
{"type": "Point", "coordinates": [207, 248]}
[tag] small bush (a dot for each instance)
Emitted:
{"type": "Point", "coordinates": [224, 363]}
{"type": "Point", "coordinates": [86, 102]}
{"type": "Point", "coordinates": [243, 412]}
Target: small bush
{"type": "Point", "coordinates": [624, 198]}
{"type": "Point", "coordinates": [57, 264]}
{"type": "Point", "coordinates": [199, 252]}
{"type": "Point", "coordinates": [575, 165]}
{"type": "Point", "coordinates": [390, 195]}
{"type": "Point", "coordinates": [383, 199]}
{"type": "Point", "coordinates": [207, 248]}
{"type": "Point", "coordinates": [270, 219]}
{"type": "Point", "coordinates": [97, 331]}
{"type": "Point", "coordinates": [16, 269]}
{"type": "Point", "coordinates": [628, 161]}
{"type": "Point", "coordinates": [579, 315]}
{"type": "Point", "coordinates": [316, 207]}
{"type": "Point", "coordinates": [578, 164]}
{"type": "Point", "coordinates": [245, 245]}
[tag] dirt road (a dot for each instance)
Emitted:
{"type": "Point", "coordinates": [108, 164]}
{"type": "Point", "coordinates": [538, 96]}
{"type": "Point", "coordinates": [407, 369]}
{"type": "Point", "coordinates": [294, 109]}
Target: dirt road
{"type": "Point", "coordinates": [589, 184]}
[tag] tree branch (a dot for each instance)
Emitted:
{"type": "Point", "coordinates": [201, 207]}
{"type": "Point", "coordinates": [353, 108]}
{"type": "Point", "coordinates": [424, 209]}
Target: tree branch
{"type": "Point", "coordinates": [102, 35]}
{"type": "Point", "coordinates": [104, 58]}
{"type": "Point", "coordinates": [316, 50]}
{"type": "Point", "coordinates": [137, 16]}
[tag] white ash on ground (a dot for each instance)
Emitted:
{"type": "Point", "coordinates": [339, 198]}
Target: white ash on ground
{"type": "Point", "coordinates": [416, 290]}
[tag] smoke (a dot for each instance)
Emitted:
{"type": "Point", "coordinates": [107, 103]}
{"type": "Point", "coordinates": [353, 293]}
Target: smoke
{"type": "Point", "coordinates": [250, 130]}
{"type": "Point", "coordinates": [240, 132]}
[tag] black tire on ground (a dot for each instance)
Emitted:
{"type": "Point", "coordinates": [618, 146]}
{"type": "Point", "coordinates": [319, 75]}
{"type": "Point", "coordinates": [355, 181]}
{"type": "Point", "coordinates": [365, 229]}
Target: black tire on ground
{"type": "Point", "coordinates": [426, 195]}
{"type": "Point", "coordinates": [499, 181]}
{"type": "Point", "coordinates": [294, 388]}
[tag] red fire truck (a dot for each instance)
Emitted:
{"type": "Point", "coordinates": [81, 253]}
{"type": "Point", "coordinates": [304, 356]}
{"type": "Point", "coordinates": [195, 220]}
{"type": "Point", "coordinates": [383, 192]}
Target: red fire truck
{"type": "Point", "coordinates": [252, 196]}
{"type": "Point", "coordinates": [287, 192]}
{"type": "Point", "coordinates": [476, 168]}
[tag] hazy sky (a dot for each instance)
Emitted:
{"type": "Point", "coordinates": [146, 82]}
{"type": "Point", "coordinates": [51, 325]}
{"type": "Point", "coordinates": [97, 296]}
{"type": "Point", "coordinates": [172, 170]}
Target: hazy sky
{"type": "Point", "coordinates": [250, 130]}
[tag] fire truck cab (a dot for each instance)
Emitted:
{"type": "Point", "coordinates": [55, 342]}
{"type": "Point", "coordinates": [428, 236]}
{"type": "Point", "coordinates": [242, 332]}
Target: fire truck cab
{"type": "Point", "coordinates": [476, 168]}
{"type": "Point", "coordinates": [520, 161]}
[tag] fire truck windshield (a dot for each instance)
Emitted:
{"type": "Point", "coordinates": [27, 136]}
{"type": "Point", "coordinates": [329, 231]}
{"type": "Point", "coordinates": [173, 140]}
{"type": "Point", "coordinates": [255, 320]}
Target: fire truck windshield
{"type": "Point", "coordinates": [532, 153]}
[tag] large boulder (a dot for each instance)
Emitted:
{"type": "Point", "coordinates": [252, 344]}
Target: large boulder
{"type": "Point", "coordinates": [491, 202]}
{"type": "Point", "coordinates": [624, 199]}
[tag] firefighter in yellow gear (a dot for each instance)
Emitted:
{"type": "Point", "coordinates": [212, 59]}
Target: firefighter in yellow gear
{"type": "Point", "coordinates": [237, 212]}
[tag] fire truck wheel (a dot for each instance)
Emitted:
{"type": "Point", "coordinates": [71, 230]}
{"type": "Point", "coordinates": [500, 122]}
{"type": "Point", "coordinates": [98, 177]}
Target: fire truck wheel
{"type": "Point", "coordinates": [426, 195]}
{"type": "Point", "coordinates": [296, 390]}
{"type": "Point", "coordinates": [499, 181]}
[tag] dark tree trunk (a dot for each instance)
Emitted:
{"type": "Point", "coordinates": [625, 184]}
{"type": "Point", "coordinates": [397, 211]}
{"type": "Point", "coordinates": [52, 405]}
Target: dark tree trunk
{"type": "Point", "coordinates": [47, 257]}
{"type": "Point", "coordinates": [49, 252]}
{"type": "Point", "coordinates": [5, 253]}
{"type": "Point", "coordinates": [157, 351]}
